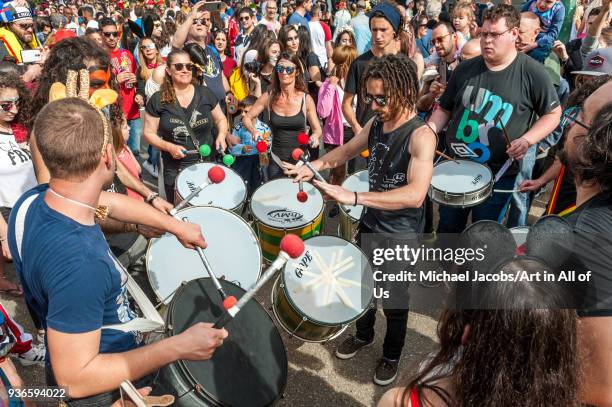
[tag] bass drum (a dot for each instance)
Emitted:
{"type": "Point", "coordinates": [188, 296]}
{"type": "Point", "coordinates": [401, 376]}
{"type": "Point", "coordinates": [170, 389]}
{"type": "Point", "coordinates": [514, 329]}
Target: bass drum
{"type": "Point", "coordinates": [249, 369]}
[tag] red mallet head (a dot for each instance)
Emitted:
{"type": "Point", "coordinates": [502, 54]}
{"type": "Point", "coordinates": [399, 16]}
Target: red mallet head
{"type": "Point", "coordinates": [292, 245]}
{"type": "Point", "coordinates": [297, 153]}
{"type": "Point", "coordinates": [302, 196]}
{"type": "Point", "coordinates": [302, 139]}
{"type": "Point", "coordinates": [521, 250]}
{"type": "Point", "coordinates": [216, 174]}
{"type": "Point", "coordinates": [229, 302]}
{"type": "Point", "coordinates": [261, 147]}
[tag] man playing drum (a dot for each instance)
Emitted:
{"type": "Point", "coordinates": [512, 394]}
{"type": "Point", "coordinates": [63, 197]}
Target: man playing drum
{"type": "Point", "coordinates": [400, 167]}
{"type": "Point", "coordinates": [69, 275]}
{"type": "Point", "coordinates": [503, 88]}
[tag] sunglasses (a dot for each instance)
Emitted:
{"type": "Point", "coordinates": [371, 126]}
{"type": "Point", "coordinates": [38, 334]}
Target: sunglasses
{"type": "Point", "coordinates": [180, 66]}
{"type": "Point", "coordinates": [288, 69]}
{"type": "Point", "coordinates": [157, 24]}
{"type": "Point", "coordinates": [440, 39]}
{"type": "Point", "coordinates": [201, 21]}
{"type": "Point", "coordinates": [381, 100]}
{"type": "Point", "coordinates": [149, 46]}
{"type": "Point", "coordinates": [26, 26]}
{"type": "Point", "coordinates": [244, 18]}
{"type": "Point", "coordinates": [109, 34]}
{"type": "Point", "coordinates": [8, 105]}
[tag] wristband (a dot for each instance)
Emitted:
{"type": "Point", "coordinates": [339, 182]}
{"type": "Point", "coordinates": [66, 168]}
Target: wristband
{"type": "Point", "coordinates": [355, 198]}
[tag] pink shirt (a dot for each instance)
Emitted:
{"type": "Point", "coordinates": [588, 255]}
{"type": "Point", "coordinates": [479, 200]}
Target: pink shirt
{"type": "Point", "coordinates": [129, 162]}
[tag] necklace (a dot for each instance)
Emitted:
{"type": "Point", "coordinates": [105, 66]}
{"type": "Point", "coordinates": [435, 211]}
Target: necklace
{"type": "Point", "coordinates": [72, 200]}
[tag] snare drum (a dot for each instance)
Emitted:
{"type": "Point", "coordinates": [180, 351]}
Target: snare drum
{"type": "Point", "coordinates": [327, 288]}
{"type": "Point", "coordinates": [351, 215]}
{"type": "Point", "coordinates": [249, 369]}
{"type": "Point", "coordinates": [230, 194]}
{"type": "Point", "coordinates": [520, 234]}
{"type": "Point", "coordinates": [461, 183]}
{"type": "Point", "coordinates": [277, 212]}
{"type": "Point", "coordinates": [233, 252]}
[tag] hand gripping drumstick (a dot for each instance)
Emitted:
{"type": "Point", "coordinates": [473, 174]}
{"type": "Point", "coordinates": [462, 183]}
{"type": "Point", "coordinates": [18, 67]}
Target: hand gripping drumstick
{"type": "Point", "coordinates": [204, 151]}
{"type": "Point", "coordinates": [215, 176]}
{"type": "Point", "coordinates": [291, 246]}
{"type": "Point", "coordinates": [298, 155]}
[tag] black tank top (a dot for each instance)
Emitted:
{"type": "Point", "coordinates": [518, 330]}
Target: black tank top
{"type": "Point", "coordinates": [408, 220]}
{"type": "Point", "coordinates": [285, 130]}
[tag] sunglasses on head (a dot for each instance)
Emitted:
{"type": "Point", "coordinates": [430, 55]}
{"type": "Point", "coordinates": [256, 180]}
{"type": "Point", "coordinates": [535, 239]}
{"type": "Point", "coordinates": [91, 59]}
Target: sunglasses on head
{"type": "Point", "coordinates": [180, 66]}
{"type": "Point", "coordinates": [381, 100]}
{"type": "Point", "coordinates": [8, 105]}
{"type": "Point", "coordinates": [109, 34]}
{"type": "Point", "coordinates": [288, 69]}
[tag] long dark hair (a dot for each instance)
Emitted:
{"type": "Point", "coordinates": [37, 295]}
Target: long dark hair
{"type": "Point", "coordinates": [300, 84]}
{"type": "Point", "coordinates": [304, 49]}
{"type": "Point", "coordinates": [24, 106]}
{"type": "Point", "coordinates": [164, 39]}
{"type": "Point", "coordinates": [284, 33]}
{"type": "Point", "coordinates": [167, 94]}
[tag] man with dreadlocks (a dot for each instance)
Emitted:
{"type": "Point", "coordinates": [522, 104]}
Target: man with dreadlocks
{"type": "Point", "coordinates": [400, 167]}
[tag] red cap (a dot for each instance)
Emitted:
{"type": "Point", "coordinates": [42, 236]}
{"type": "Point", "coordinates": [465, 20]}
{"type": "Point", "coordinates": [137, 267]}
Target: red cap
{"type": "Point", "coordinates": [292, 245]}
{"type": "Point", "coordinates": [302, 196]}
{"type": "Point", "coordinates": [216, 174]}
{"type": "Point", "coordinates": [261, 147]}
{"type": "Point", "coordinates": [297, 153]}
{"type": "Point", "coordinates": [302, 139]}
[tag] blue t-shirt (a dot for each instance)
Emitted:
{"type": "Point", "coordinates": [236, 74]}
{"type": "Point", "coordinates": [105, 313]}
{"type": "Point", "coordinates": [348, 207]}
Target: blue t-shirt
{"type": "Point", "coordinates": [551, 22]}
{"type": "Point", "coordinates": [69, 275]}
{"type": "Point", "coordinates": [246, 139]}
{"type": "Point", "coordinates": [297, 18]}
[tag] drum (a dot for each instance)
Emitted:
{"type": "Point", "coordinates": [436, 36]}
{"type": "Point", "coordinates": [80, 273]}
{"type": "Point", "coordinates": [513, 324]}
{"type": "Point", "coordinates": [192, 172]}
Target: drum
{"type": "Point", "coordinates": [520, 234]}
{"type": "Point", "coordinates": [230, 194]}
{"type": "Point", "coordinates": [351, 215]}
{"type": "Point", "coordinates": [277, 212]}
{"type": "Point", "coordinates": [249, 369]}
{"type": "Point", "coordinates": [461, 183]}
{"type": "Point", "coordinates": [327, 288]}
{"type": "Point", "coordinates": [233, 252]}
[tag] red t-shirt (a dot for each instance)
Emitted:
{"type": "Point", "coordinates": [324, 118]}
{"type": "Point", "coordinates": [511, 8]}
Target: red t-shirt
{"type": "Point", "coordinates": [327, 31]}
{"type": "Point", "coordinates": [228, 66]}
{"type": "Point", "coordinates": [123, 61]}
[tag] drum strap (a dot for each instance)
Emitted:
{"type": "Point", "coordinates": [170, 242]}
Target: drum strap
{"type": "Point", "coordinates": [181, 112]}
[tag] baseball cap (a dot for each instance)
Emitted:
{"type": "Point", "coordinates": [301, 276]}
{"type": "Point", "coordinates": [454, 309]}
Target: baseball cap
{"type": "Point", "coordinates": [389, 12]}
{"type": "Point", "coordinates": [598, 63]}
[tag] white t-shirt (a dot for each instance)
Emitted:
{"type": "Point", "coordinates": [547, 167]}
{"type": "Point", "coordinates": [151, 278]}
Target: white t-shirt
{"type": "Point", "coordinates": [317, 41]}
{"type": "Point", "coordinates": [16, 170]}
{"type": "Point", "coordinates": [276, 26]}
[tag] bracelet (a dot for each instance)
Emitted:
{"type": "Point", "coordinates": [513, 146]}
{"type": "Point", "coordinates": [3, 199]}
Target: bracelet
{"type": "Point", "coordinates": [130, 227]}
{"type": "Point", "coordinates": [151, 197]}
{"type": "Point", "coordinates": [355, 192]}
{"type": "Point", "coordinates": [102, 212]}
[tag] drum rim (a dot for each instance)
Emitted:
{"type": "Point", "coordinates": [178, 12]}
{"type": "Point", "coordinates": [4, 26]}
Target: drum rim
{"type": "Point", "coordinates": [183, 367]}
{"type": "Point", "coordinates": [263, 222]}
{"type": "Point", "coordinates": [328, 324]}
{"type": "Point", "coordinates": [242, 201]}
{"type": "Point", "coordinates": [150, 243]}
{"type": "Point", "coordinates": [342, 206]}
{"type": "Point", "coordinates": [491, 181]}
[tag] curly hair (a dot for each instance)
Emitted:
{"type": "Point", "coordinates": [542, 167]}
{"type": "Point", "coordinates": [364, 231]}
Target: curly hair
{"type": "Point", "coordinates": [24, 106]}
{"type": "Point", "coordinates": [166, 91]}
{"type": "Point", "coordinates": [400, 80]}
{"type": "Point", "coordinates": [579, 95]}
{"type": "Point", "coordinates": [510, 13]}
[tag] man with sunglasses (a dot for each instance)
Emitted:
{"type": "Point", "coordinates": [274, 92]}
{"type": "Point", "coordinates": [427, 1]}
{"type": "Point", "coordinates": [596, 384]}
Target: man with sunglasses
{"type": "Point", "coordinates": [16, 32]}
{"type": "Point", "coordinates": [502, 89]}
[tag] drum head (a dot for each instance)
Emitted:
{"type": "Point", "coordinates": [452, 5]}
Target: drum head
{"type": "Point", "coordinates": [461, 176]}
{"type": "Point", "coordinates": [357, 182]}
{"type": "Point", "coordinates": [233, 252]}
{"type": "Point", "coordinates": [250, 368]}
{"type": "Point", "coordinates": [275, 204]}
{"type": "Point", "coordinates": [228, 194]}
{"type": "Point", "coordinates": [331, 283]}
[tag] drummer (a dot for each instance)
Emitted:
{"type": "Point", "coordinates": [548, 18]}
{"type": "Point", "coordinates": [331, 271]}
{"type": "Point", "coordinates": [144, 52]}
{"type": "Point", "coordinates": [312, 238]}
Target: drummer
{"type": "Point", "coordinates": [71, 279]}
{"type": "Point", "coordinates": [502, 84]}
{"type": "Point", "coordinates": [399, 185]}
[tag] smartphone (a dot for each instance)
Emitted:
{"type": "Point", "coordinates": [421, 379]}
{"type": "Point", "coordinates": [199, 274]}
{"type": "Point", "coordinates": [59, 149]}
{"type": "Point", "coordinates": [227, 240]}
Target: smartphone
{"type": "Point", "coordinates": [211, 6]}
{"type": "Point", "coordinates": [31, 56]}
{"type": "Point", "coordinates": [129, 392]}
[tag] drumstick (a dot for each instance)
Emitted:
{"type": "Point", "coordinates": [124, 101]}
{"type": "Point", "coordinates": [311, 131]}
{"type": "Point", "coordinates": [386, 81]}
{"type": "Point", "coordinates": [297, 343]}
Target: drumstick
{"type": "Point", "coordinates": [291, 247]}
{"type": "Point", "coordinates": [505, 132]}
{"type": "Point", "coordinates": [298, 155]}
{"type": "Point", "coordinates": [215, 176]}
{"type": "Point", "coordinates": [448, 157]}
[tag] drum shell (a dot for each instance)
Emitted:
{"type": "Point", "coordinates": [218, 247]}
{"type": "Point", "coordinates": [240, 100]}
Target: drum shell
{"type": "Point", "coordinates": [464, 200]}
{"type": "Point", "coordinates": [170, 380]}
{"type": "Point", "coordinates": [270, 237]}
{"type": "Point", "coordinates": [348, 222]}
{"type": "Point", "coordinates": [347, 226]}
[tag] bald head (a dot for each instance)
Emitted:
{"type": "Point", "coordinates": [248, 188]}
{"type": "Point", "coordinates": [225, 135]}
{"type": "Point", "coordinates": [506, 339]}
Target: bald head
{"type": "Point", "coordinates": [529, 27]}
{"type": "Point", "coordinates": [471, 49]}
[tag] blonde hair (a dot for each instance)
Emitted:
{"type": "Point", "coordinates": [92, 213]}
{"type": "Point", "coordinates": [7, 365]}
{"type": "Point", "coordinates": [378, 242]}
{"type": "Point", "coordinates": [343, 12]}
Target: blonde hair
{"type": "Point", "coordinates": [464, 7]}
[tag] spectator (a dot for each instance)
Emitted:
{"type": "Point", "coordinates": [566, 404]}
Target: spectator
{"type": "Point", "coordinates": [320, 36]}
{"type": "Point", "coordinates": [269, 19]}
{"type": "Point", "coordinates": [342, 19]}
{"type": "Point", "coordinates": [594, 38]}
{"type": "Point", "coordinates": [246, 17]}
{"type": "Point", "coordinates": [423, 35]}
{"type": "Point", "coordinates": [94, 35]}
{"type": "Point", "coordinates": [299, 15]}
{"type": "Point", "coordinates": [17, 34]}
{"type": "Point", "coordinates": [43, 29]}
{"type": "Point", "coordinates": [220, 42]}
{"type": "Point", "coordinates": [464, 20]}
{"type": "Point", "coordinates": [267, 56]}
{"type": "Point", "coordinates": [551, 14]}
{"type": "Point", "coordinates": [361, 28]}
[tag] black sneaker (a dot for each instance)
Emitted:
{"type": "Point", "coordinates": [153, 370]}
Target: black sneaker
{"type": "Point", "coordinates": [386, 371]}
{"type": "Point", "coordinates": [350, 347]}
{"type": "Point", "coordinates": [334, 211]}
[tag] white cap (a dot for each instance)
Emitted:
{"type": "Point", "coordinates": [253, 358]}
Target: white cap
{"type": "Point", "coordinates": [93, 24]}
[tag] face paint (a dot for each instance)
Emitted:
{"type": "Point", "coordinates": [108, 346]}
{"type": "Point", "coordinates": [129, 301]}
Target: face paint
{"type": "Point", "coordinates": [99, 78]}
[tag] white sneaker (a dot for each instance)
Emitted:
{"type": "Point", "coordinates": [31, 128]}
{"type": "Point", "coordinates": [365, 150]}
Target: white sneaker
{"type": "Point", "coordinates": [34, 356]}
{"type": "Point", "coordinates": [151, 169]}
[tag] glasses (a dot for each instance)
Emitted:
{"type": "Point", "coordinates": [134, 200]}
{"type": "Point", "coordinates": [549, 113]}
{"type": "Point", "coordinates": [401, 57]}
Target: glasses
{"type": "Point", "coordinates": [201, 21]}
{"type": "Point", "coordinates": [9, 105]}
{"type": "Point", "coordinates": [26, 26]}
{"type": "Point", "coordinates": [180, 66]}
{"type": "Point", "coordinates": [157, 24]}
{"type": "Point", "coordinates": [148, 46]}
{"type": "Point", "coordinates": [492, 35]}
{"type": "Point", "coordinates": [570, 117]}
{"type": "Point", "coordinates": [109, 34]}
{"type": "Point", "coordinates": [288, 69]}
{"type": "Point", "coordinates": [439, 39]}
{"type": "Point", "coordinates": [247, 18]}
{"type": "Point", "coordinates": [381, 100]}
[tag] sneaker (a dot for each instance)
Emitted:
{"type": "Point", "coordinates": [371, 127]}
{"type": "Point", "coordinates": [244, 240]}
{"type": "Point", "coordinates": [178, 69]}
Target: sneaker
{"type": "Point", "coordinates": [334, 211]}
{"type": "Point", "coordinates": [350, 347]}
{"type": "Point", "coordinates": [150, 168]}
{"type": "Point", "coordinates": [40, 338]}
{"type": "Point", "coordinates": [386, 371]}
{"type": "Point", "coordinates": [36, 355]}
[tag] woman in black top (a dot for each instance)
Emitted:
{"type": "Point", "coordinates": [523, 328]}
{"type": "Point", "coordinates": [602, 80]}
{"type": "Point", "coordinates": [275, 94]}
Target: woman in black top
{"type": "Point", "coordinates": [267, 56]}
{"type": "Point", "coordinates": [180, 117]}
{"type": "Point", "coordinates": [290, 108]}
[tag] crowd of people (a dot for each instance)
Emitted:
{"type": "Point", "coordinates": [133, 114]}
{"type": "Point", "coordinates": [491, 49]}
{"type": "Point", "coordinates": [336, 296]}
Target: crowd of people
{"type": "Point", "coordinates": [93, 93]}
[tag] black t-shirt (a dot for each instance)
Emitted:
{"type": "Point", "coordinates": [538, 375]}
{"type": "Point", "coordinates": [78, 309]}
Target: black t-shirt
{"type": "Point", "coordinates": [353, 85]}
{"type": "Point", "coordinates": [477, 98]}
{"type": "Point", "coordinates": [172, 123]}
{"type": "Point", "coordinates": [592, 223]}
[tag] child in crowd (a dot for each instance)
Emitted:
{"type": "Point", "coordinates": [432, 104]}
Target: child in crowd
{"type": "Point", "coordinates": [551, 14]}
{"type": "Point", "coordinates": [244, 147]}
{"type": "Point", "coordinates": [464, 20]}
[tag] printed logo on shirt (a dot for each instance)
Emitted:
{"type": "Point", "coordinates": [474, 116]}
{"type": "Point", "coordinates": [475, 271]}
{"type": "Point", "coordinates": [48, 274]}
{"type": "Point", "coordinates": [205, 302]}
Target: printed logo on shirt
{"type": "Point", "coordinates": [124, 312]}
{"type": "Point", "coordinates": [16, 155]}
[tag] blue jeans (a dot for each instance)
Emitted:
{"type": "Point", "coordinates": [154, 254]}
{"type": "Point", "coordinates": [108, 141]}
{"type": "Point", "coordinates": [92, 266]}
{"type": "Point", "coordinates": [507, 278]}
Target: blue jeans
{"type": "Point", "coordinates": [135, 134]}
{"type": "Point", "coordinates": [153, 155]}
{"type": "Point", "coordinates": [519, 206]}
{"type": "Point", "coordinates": [454, 220]}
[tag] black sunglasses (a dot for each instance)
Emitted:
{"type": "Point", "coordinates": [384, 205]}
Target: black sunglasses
{"type": "Point", "coordinates": [109, 34]}
{"type": "Point", "coordinates": [381, 100]}
{"type": "Point", "coordinates": [180, 66]}
{"type": "Point", "coordinates": [288, 69]}
{"type": "Point", "coordinates": [7, 106]}
{"type": "Point", "coordinates": [201, 21]}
